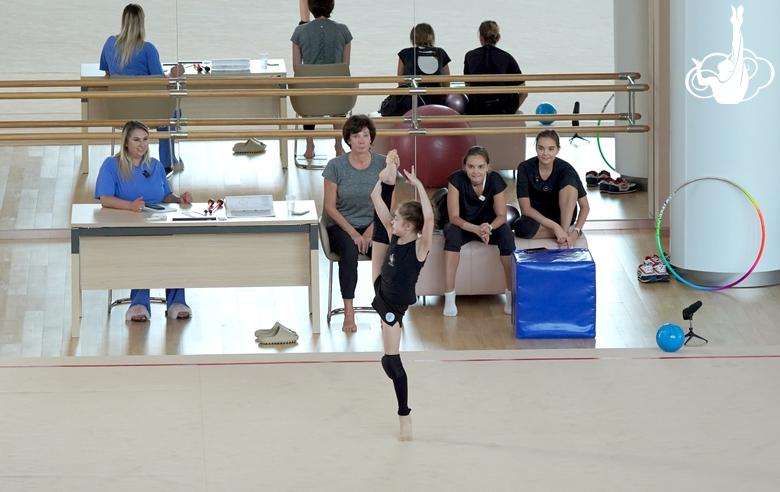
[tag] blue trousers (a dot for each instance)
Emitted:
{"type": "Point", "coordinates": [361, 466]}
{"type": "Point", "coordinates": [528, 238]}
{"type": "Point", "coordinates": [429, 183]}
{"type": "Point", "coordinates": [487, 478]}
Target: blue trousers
{"type": "Point", "coordinates": [167, 148]}
{"type": "Point", "coordinates": [141, 296]}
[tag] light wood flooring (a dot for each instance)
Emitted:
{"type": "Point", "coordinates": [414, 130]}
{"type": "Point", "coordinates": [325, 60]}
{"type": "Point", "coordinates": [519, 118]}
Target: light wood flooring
{"type": "Point", "coordinates": [35, 302]}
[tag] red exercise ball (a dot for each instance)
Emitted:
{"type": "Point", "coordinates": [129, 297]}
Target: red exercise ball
{"type": "Point", "coordinates": [458, 102]}
{"type": "Point", "coordinates": [436, 157]}
{"type": "Point", "coordinates": [512, 214]}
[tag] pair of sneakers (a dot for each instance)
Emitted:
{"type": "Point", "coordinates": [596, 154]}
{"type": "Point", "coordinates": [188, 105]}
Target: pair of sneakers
{"type": "Point", "coordinates": [593, 179]}
{"type": "Point", "coordinates": [653, 269]}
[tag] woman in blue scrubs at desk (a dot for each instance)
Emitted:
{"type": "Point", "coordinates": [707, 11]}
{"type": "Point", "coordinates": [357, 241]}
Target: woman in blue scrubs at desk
{"type": "Point", "coordinates": [128, 181]}
{"type": "Point", "coordinates": [127, 54]}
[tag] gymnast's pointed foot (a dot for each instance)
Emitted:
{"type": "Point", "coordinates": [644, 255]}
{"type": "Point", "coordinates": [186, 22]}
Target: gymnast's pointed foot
{"type": "Point", "coordinates": [405, 433]}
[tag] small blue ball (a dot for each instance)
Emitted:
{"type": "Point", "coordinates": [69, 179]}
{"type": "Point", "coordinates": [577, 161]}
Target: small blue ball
{"type": "Point", "coordinates": [546, 108]}
{"type": "Point", "coordinates": [670, 337]}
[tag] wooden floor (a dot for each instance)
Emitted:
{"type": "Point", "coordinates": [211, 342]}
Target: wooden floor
{"type": "Point", "coordinates": [35, 307]}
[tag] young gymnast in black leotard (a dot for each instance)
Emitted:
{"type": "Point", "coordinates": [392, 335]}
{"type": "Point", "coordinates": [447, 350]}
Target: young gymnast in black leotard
{"type": "Point", "coordinates": [411, 232]}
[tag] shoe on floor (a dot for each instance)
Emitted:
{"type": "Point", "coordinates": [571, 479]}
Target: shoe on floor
{"type": "Point", "coordinates": [591, 179]}
{"type": "Point", "coordinates": [179, 311]}
{"type": "Point", "coordinates": [139, 312]}
{"type": "Point", "coordinates": [646, 273]}
{"type": "Point", "coordinates": [178, 166]}
{"type": "Point", "coordinates": [604, 184]}
{"type": "Point", "coordinates": [277, 335]}
{"type": "Point", "coordinates": [621, 187]}
{"type": "Point", "coordinates": [251, 146]}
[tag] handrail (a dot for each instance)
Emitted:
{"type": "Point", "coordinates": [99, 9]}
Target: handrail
{"type": "Point", "coordinates": [324, 92]}
{"type": "Point", "coordinates": [203, 80]}
{"type": "Point", "coordinates": [315, 120]}
{"type": "Point", "coordinates": [276, 134]}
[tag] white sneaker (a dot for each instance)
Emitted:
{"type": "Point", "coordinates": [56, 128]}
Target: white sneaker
{"type": "Point", "coordinates": [508, 303]}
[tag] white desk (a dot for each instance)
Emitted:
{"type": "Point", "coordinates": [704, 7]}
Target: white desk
{"type": "Point", "coordinates": [201, 107]}
{"type": "Point", "coordinates": [118, 249]}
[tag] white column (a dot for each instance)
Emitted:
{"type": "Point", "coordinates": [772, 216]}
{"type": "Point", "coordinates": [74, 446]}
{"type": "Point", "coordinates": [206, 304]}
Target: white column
{"type": "Point", "coordinates": [632, 54]}
{"type": "Point", "coordinates": [724, 124]}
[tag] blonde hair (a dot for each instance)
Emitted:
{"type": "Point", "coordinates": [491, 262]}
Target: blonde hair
{"type": "Point", "coordinates": [131, 37]}
{"type": "Point", "coordinates": [123, 161]}
{"type": "Point", "coordinates": [422, 35]}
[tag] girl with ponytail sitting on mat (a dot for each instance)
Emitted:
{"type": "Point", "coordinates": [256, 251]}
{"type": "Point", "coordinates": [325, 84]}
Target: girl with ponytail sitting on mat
{"type": "Point", "coordinates": [411, 231]}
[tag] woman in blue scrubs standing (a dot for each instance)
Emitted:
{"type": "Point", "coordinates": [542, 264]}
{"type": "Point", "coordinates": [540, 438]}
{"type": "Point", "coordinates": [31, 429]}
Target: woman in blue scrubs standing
{"type": "Point", "coordinates": [128, 181]}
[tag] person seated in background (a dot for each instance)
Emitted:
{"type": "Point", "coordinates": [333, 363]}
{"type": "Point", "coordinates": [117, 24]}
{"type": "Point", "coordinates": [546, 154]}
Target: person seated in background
{"type": "Point", "coordinates": [423, 58]}
{"type": "Point", "coordinates": [348, 182]}
{"type": "Point", "coordinates": [128, 54]}
{"type": "Point", "coordinates": [489, 60]}
{"type": "Point", "coordinates": [476, 205]}
{"type": "Point", "coordinates": [321, 41]}
{"type": "Point", "coordinates": [128, 181]}
{"type": "Point", "coordinates": [548, 192]}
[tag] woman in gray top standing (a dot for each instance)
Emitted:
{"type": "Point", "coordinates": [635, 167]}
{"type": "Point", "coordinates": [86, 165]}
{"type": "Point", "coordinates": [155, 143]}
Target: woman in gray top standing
{"type": "Point", "coordinates": [349, 180]}
{"type": "Point", "coordinates": [321, 41]}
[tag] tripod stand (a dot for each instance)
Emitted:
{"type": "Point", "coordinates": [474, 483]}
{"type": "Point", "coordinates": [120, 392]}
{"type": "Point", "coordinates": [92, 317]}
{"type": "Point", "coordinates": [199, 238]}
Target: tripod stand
{"type": "Point", "coordinates": [691, 334]}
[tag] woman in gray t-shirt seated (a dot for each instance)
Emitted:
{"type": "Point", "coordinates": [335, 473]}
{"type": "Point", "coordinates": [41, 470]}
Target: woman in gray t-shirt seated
{"type": "Point", "coordinates": [320, 42]}
{"type": "Point", "coordinates": [349, 180]}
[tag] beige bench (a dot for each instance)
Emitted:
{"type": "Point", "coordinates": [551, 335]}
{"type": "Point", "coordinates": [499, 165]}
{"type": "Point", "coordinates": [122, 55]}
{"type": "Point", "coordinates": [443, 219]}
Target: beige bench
{"type": "Point", "coordinates": [479, 271]}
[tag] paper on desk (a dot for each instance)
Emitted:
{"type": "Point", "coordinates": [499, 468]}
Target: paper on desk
{"type": "Point", "coordinates": [250, 206]}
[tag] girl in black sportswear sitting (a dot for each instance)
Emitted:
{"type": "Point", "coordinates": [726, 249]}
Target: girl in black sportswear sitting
{"type": "Point", "coordinates": [548, 192]}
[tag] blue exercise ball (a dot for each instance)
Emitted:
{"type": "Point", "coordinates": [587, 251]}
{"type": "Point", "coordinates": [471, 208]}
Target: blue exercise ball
{"type": "Point", "coordinates": [546, 108]}
{"type": "Point", "coordinates": [670, 337]}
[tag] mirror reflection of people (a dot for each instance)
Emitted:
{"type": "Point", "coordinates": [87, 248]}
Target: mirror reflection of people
{"type": "Point", "coordinates": [491, 60]}
{"type": "Point", "coordinates": [476, 204]}
{"type": "Point", "coordinates": [128, 181]}
{"type": "Point", "coordinates": [128, 54]}
{"type": "Point", "coordinates": [411, 229]}
{"type": "Point", "coordinates": [321, 41]}
{"type": "Point", "coordinates": [348, 181]}
{"type": "Point", "coordinates": [424, 58]}
{"type": "Point", "coordinates": [548, 192]}
{"type": "Point", "coordinates": [731, 83]}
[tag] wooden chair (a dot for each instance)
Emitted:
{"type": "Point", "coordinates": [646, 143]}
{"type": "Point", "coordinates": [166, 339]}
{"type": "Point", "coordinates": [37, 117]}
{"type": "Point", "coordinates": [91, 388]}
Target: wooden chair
{"type": "Point", "coordinates": [140, 108]}
{"type": "Point", "coordinates": [321, 105]}
{"type": "Point", "coordinates": [332, 258]}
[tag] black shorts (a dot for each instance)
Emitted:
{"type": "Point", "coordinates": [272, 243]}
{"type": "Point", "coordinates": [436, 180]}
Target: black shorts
{"type": "Point", "coordinates": [380, 233]}
{"type": "Point", "coordinates": [390, 312]}
{"type": "Point", "coordinates": [525, 227]}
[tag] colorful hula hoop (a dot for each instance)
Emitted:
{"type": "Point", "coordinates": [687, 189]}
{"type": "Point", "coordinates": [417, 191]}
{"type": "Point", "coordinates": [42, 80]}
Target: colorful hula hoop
{"type": "Point", "coordinates": [661, 251]}
{"type": "Point", "coordinates": [598, 135]}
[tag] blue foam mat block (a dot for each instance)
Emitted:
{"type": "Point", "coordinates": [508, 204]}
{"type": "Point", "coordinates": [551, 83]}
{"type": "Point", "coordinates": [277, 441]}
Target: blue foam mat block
{"type": "Point", "coordinates": [555, 294]}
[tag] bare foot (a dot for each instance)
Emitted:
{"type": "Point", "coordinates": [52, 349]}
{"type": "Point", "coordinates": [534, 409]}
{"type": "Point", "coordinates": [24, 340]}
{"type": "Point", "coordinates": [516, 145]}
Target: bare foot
{"type": "Point", "coordinates": [178, 166]}
{"type": "Point", "coordinates": [390, 172]}
{"type": "Point", "coordinates": [405, 434]}
{"type": "Point", "coordinates": [349, 325]}
{"type": "Point", "coordinates": [309, 154]}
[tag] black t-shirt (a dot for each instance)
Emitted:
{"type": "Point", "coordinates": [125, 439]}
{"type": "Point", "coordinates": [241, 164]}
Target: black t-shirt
{"type": "Point", "coordinates": [425, 61]}
{"type": "Point", "coordinates": [490, 60]}
{"type": "Point", "coordinates": [472, 208]}
{"type": "Point", "coordinates": [400, 271]}
{"type": "Point", "coordinates": [544, 193]}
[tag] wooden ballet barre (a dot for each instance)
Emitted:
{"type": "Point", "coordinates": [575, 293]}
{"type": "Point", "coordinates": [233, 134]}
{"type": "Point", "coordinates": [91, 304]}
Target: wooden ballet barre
{"type": "Point", "coordinates": [325, 92]}
{"type": "Point", "coordinates": [276, 134]}
{"type": "Point", "coordinates": [380, 79]}
{"type": "Point", "coordinates": [314, 120]}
